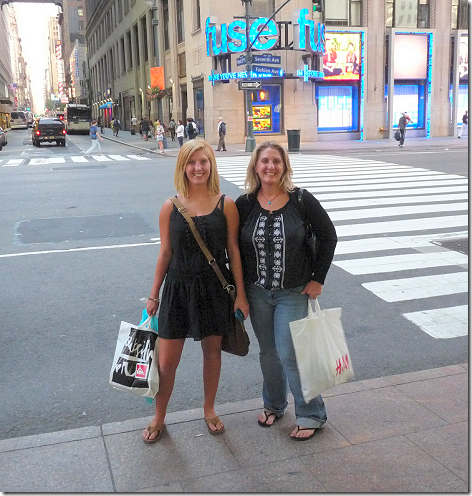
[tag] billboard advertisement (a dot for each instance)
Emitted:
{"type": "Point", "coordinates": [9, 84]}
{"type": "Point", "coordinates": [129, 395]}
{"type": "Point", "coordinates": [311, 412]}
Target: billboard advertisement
{"type": "Point", "coordinates": [464, 58]}
{"type": "Point", "coordinates": [342, 60]}
{"type": "Point", "coordinates": [411, 56]}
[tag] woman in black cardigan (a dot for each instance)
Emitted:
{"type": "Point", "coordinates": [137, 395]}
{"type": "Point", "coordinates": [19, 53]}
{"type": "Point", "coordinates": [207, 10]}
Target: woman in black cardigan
{"type": "Point", "coordinates": [280, 276]}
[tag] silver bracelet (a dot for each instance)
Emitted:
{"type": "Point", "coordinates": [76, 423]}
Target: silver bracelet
{"type": "Point", "coordinates": [154, 299]}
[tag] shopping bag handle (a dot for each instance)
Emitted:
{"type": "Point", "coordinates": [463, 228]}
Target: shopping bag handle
{"type": "Point", "coordinates": [314, 314]}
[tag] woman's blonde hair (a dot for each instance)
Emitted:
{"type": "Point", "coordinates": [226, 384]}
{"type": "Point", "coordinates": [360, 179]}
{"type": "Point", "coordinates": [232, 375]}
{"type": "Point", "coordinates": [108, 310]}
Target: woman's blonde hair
{"type": "Point", "coordinates": [253, 181]}
{"type": "Point", "coordinates": [187, 150]}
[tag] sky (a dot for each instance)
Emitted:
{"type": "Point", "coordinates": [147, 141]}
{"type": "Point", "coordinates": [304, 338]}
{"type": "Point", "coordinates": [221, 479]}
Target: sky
{"type": "Point", "coordinates": [32, 21]}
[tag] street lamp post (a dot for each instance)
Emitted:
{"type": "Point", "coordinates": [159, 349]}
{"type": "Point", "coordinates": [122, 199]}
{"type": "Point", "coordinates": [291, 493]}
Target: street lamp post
{"type": "Point", "coordinates": [250, 140]}
{"type": "Point", "coordinates": [143, 112]}
{"type": "Point", "coordinates": [155, 23]}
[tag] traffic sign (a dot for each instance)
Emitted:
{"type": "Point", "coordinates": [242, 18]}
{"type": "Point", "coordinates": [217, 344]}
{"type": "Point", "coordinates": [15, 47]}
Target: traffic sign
{"type": "Point", "coordinates": [249, 85]}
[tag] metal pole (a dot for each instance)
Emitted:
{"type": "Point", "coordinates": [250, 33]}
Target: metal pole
{"type": "Point", "coordinates": [155, 23]}
{"type": "Point", "coordinates": [250, 141]}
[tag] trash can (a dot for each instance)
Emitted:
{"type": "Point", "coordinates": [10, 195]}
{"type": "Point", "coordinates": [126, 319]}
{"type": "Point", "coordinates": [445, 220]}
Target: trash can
{"type": "Point", "coordinates": [293, 140]}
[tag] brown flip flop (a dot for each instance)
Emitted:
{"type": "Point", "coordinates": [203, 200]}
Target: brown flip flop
{"type": "Point", "coordinates": [214, 421]}
{"type": "Point", "coordinates": [159, 429]}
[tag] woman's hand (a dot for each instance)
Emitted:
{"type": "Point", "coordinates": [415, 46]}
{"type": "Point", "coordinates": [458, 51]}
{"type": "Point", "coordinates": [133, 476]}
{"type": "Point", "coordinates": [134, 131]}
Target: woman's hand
{"type": "Point", "coordinates": [151, 307]}
{"type": "Point", "coordinates": [242, 304]}
{"type": "Point", "coordinates": [313, 289]}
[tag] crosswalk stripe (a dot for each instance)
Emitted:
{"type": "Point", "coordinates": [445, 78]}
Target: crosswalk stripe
{"type": "Point", "coordinates": [378, 212]}
{"type": "Point", "coordinates": [397, 263]}
{"type": "Point", "coordinates": [395, 193]}
{"type": "Point", "coordinates": [346, 247]}
{"type": "Point", "coordinates": [415, 288]}
{"type": "Point", "coordinates": [391, 185]}
{"type": "Point", "coordinates": [421, 224]}
{"type": "Point", "coordinates": [442, 323]}
{"type": "Point", "coordinates": [332, 205]}
{"type": "Point", "coordinates": [78, 158]}
{"type": "Point", "coordinates": [118, 157]}
{"type": "Point", "coordinates": [13, 162]}
{"type": "Point", "coordinates": [137, 157]}
{"type": "Point", "coordinates": [101, 158]}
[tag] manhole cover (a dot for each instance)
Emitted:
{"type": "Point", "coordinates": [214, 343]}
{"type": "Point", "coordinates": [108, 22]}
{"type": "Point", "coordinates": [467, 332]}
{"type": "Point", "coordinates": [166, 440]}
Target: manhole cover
{"type": "Point", "coordinates": [80, 228]}
{"type": "Point", "coordinates": [460, 245]}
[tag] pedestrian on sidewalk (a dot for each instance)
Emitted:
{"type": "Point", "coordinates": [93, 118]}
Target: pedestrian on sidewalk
{"type": "Point", "coordinates": [159, 130]}
{"type": "Point", "coordinates": [145, 127]}
{"type": "Point", "coordinates": [94, 136]}
{"type": "Point", "coordinates": [402, 123]}
{"type": "Point", "coordinates": [193, 303]}
{"type": "Point", "coordinates": [116, 126]}
{"type": "Point", "coordinates": [221, 134]}
{"type": "Point", "coordinates": [465, 125]}
{"type": "Point", "coordinates": [191, 128]}
{"type": "Point", "coordinates": [172, 128]}
{"type": "Point", "coordinates": [279, 286]}
{"type": "Point", "coordinates": [134, 124]}
{"type": "Point", "coordinates": [100, 124]}
{"type": "Point", "coordinates": [180, 132]}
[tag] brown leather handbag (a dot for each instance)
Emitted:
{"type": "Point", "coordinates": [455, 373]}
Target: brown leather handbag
{"type": "Point", "coordinates": [236, 340]}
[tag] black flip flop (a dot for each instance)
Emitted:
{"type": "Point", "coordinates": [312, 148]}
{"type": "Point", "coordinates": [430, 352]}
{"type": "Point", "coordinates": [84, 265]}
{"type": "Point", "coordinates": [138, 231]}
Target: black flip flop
{"type": "Point", "coordinates": [263, 423]}
{"type": "Point", "coordinates": [304, 429]}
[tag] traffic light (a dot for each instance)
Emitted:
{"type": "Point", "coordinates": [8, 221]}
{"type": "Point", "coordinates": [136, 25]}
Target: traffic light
{"type": "Point", "coordinates": [318, 5]}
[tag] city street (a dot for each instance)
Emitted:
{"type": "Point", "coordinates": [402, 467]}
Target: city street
{"type": "Point", "coordinates": [79, 239]}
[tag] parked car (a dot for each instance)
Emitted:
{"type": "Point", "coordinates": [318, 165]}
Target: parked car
{"type": "Point", "coordinates": [3, 138]}
{"type": "Point", "coordinates": [48, 129]}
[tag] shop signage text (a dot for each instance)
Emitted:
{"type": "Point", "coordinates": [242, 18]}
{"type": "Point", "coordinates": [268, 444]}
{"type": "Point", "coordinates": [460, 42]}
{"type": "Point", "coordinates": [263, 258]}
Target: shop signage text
{"type": "Point", "coordinates": [308, 35]}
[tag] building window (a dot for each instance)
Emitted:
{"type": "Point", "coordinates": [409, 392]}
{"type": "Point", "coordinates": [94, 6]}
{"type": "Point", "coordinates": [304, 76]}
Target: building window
{"type": "Point", "coordinates": [197, 21]}
{"type": "Point", "coordinates": [407, 13]}
{"type": "Point", "coordinates": [81, 25]}
{"type": "Point", "coordinates": [123, 55]}
{"type": "Point", "coordinates": [129, 52]}
{"type": "Point", "coordinates": [165, 11]}
{"type": "Point", "coordinates": [126, 6]}
{"type": "Point", "coordinates": [182, 64]}
{"type": "Point", "coordinates": [145, 37]}
{"type": "Point", "coordinates": [120, 10]}
{"type": "Point", "coordinates": [459, 14]}
{"type": "Point", "coordinates": [136, 45]}
{"type": "Point", "coordinates": [180, 21]}
{"type": "Point", "coordinates": [80, 11]}
{"type": "Point", "coordinates": [343, 13]}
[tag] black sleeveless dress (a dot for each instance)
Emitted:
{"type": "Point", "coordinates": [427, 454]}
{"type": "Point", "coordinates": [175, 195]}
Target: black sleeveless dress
{"type": "Point", "coordinates": [193, 302]}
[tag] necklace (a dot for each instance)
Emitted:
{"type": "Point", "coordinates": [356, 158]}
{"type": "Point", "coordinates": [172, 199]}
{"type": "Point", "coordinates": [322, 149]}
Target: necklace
{"type": "Point", "coordinates": [267, 200]}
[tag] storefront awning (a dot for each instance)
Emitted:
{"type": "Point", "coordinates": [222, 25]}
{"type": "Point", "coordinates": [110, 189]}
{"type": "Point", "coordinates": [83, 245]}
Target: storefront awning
{"type": "Point", "coordinates": [107, 105]}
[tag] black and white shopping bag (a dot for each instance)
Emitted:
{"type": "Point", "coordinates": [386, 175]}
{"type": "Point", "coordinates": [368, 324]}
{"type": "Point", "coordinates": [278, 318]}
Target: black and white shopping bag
{"type": "Point", "coordinates": [134, 366]}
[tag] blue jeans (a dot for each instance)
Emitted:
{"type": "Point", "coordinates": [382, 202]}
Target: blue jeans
{"type": "Point", "coordinates": [271, 312]}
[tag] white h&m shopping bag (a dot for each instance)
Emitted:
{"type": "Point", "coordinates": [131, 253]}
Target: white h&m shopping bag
{"type": "Point", "coordinates": [321, 351]}
{"type": "Point", "coordinates": [134, 366]}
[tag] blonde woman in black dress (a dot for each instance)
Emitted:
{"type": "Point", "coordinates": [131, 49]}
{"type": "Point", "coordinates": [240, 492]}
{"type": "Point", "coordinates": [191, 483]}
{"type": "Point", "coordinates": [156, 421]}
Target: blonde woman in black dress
{"type": "Point", "coordinates": [193, 302]}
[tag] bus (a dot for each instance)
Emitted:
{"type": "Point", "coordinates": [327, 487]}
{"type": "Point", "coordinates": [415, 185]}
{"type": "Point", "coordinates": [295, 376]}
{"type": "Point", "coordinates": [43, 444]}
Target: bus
{"type": "Point", "coordinates": [77, 118]}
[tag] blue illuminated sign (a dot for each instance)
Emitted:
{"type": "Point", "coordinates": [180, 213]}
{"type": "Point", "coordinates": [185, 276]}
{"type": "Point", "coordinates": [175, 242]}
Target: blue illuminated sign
{"type": "Point", "coordinates": [226, 76]}
{"type": "Point", "coordinates": [307, 35]}
{"type": "Point", "coordinates": [306, 73]}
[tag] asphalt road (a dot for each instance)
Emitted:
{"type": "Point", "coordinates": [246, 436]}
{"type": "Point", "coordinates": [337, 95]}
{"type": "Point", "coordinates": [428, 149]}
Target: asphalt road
{"type": "Point", "coordinates": [78, 247]}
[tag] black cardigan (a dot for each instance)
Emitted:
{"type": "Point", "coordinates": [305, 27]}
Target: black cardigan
{"type": "Point", "coordinates": [298, 268]}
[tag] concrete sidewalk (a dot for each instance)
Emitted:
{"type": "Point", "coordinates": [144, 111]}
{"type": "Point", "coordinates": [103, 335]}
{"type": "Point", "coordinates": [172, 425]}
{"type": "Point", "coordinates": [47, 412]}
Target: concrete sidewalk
{"type": "Point", "coordinates": [403, 433]}
{"type": "Point", "coordinates": [332, 146]}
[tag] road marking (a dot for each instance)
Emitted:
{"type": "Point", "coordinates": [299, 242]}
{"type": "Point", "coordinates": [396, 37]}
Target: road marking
{"type": "Point", "coordinates": [369, 213]}
{"type": "Point", "coordinates": [415, 288]}
{"type": "Point", "coordinates": [101, 158]}
{"type": "Point", "coordinates": [342, 204]}
{"type": "Point", "coordinates": [118, 157]}
{"type": "Point", "coordinates": [442, 323]}
{"type": "Point", "coordinates": [70, 250]}
{"type": "Point", "coordinates": [393, 243]}
{"type": "Point", "coordinates": [421, 224]}
{"type": "Point", "coordinates": [13, 162]}
{"type": "Point", "coordinates": [397, 263]}
{"type": "Point", "coordinates": [78, 158]}
{"type": "Point", "coordinates": [137, 157]}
